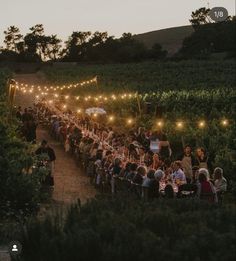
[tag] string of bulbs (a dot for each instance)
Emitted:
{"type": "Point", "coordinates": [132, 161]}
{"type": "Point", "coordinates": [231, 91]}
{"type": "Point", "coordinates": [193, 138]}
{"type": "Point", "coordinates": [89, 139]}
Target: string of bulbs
{"type": "Point", "coordinates": [27, 87]}
{"type": "Point", "coordinates": [44, 91]}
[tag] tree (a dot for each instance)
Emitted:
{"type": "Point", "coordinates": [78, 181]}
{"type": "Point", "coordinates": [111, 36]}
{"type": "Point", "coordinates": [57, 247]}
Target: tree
{"type": "Point", "coordinates": [95, 48]}
{"type": "Point", "coordinates": [200, 16]}
{"type": "Point", "coordinates": [211, 38]}
{"type": "Point", "coordinates": [40, 46]}
{"type": "Point", "coordinates": [12, 38]}
{"type": "Point", "coordinates": [20, 188]}
{"type": "Point", "coordinates": [130, 50]}
{"type": "Point", "coordinates": [98, 38]}
{"type": "Point", "coordinates": [55, 47]}
{"type": "Point", "coordinates": [157, 52]}
{"type": "Point", "coordinates": [76, 46]}
{"type": "Point", "coordinates": [33, 41]}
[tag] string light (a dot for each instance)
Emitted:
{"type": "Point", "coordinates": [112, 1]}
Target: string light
{"type": "Point", "coordinates": [224, 122]}
{"type": "Point", "coordinates": [129, 121]}
{"type": "Point", "coordinates": [66, 96]}
{"type": "Point", "coordinates": [202, 124]}
{"type": "Point", "coordinates": [179, 124]}
{"type": "Point", "coordinates": [111, 118]}
{"type": "Point", "coordinates": [23, 88]}
{"type": "Point", "coordinates": [93, 80]}
{"type": "Point", "coordinates": [160, 123]}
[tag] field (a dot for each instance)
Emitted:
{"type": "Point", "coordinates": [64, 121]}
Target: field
{"type": "Point", "coordinates": [205, 88]}
{"type": "Point", "coordinates": [188, 91]}
{"type": "Point", "coordinates": [145, 77]}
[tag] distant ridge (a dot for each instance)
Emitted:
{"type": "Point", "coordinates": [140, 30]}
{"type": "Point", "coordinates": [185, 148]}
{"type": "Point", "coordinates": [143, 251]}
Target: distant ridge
{"type": "Point", "coordinates": [171, 38]}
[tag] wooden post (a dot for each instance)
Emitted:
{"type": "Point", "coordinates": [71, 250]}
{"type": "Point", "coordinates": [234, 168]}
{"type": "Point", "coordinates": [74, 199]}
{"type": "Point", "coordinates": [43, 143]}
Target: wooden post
{"type": "Point", "coordinates": [139, 105]}
{"type": "Point", "coordinates": [11, 95]}
{"type": "Point", "coordinates": [96, 80]}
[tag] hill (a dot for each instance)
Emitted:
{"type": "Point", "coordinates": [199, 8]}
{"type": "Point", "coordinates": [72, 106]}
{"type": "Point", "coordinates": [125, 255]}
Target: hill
{"type": "Point", "coordinates": [171, 38]}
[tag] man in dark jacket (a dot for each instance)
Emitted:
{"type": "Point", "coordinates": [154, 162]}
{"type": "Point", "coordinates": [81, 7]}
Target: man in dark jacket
{"type": "Point", "coordinates": [45, 149]}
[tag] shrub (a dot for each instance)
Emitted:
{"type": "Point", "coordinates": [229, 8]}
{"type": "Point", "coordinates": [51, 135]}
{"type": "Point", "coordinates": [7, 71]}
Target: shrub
{"type": "Point", "coordinates": [126, 229]}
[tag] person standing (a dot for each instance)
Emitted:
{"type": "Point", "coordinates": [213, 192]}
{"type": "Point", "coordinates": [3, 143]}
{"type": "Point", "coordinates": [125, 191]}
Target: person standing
{"type": "Point", "coordinates": [220, 183]}
{"type": "Point", "coordinates": [164, 147]}
{"type": "Point", "coordinates": [19, 113]}
{"type": "Point", "coordinates": [45, 149]}
{"type": "Point", "coordinates": [178, 176]}
{"type": "Point", "coordinates": [187, 161]}
{"type": "Point", "coordinates": [202, 159]}
{"type": "Point", "coordinates": [31, 133]}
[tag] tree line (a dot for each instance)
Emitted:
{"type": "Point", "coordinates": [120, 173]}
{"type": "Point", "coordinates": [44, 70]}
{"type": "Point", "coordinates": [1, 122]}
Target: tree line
{"type": "Point", "coordinates": [80, 47]}
{"type": "Point", "coordinates": [208, 37]}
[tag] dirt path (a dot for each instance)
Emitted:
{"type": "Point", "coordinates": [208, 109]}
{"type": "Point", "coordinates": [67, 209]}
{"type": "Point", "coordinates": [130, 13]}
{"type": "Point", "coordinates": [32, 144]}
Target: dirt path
{"type": "Point", "coordinates": [70, 183]}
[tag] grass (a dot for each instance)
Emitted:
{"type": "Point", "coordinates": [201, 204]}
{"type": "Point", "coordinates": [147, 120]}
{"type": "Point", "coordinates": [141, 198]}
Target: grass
{"type": "Point", "coordinates": [149, 76]}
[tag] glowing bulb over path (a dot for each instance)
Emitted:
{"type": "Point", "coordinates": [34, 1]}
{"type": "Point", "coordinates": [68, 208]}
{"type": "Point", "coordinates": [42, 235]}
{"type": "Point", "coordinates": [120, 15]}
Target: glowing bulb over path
{"type": "Point", "coordinates": [111, 118]}
{"type": "Point", "coordinates": [202, 124]}
{"type": "Point", "coordinates": [179, 124]}
{"type": "Point", "coordinates": [225, 122]}
{"type": "Point", "coordinates": [129, 121]}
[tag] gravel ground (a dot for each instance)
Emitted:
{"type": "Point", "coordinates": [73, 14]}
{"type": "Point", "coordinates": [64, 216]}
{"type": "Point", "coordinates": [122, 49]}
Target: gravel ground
{"type": "Point", "coordinates": [70, 183]}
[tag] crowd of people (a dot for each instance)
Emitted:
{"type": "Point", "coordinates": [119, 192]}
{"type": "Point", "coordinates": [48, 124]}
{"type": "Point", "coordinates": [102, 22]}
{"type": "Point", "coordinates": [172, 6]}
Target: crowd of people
{"type": "Point", "coordinates": [29, 124]}
{"type": "Point", "coordinates": [139, 161]}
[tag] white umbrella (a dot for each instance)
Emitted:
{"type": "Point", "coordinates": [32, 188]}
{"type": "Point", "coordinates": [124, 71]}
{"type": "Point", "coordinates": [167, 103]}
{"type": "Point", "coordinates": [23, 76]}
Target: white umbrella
{"type": "Point", "coordinates": [95, 110]}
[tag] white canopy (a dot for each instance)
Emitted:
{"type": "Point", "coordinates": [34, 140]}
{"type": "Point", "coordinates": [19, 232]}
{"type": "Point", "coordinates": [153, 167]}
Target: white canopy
{"type": "Point", "coordinates": [95, 110]}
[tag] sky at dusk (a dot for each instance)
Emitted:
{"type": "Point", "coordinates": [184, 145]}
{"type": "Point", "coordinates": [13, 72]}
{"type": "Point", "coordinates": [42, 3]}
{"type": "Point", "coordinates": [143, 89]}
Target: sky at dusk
{"type": "Point", "coordinates": [61, 17]}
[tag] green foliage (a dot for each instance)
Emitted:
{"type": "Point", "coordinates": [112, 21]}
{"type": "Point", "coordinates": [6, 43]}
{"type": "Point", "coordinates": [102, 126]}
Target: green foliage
{"type": "Point", "coordinates": [156, 53]}
{"type": "Point", "coordinates": [20, 184]}
{"type": "Point", "coordinates": [35, 46]}
{"type": "Point", "coordinates": [126, 229]}
{"type": "Point", "coordinates": [5, 74]}
{"type": "Point", "coordinates": [99, 47]}
{"type": "Point", "coordinates": [200, 16]}
{"type": "Point", "coordinates": [18, 189]}
{"type": "Point", "coordinates": [210, 38]}
{"type": "Point", "coordinates": [12, 38]}
{"type": "Point", "coordinates": [149, 76]}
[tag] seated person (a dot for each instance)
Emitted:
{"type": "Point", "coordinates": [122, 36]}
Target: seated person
{"type": "Point", "coordinates": [220, 182]}
{"type": "Point", "coordinates": [178, 176]}
{"type": "Point", "coordinates": [151, 185]}
{"type": "Point", "coordinates": [169, 191]}
{"type": "Point", "coordinates": [206, 189]}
